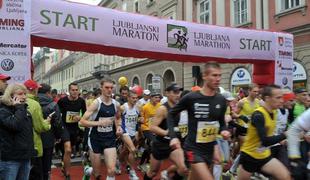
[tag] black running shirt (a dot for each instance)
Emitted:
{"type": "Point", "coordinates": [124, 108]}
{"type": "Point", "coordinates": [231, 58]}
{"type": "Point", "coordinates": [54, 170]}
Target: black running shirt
{"type": "Point", "coordinates": [205, 120]}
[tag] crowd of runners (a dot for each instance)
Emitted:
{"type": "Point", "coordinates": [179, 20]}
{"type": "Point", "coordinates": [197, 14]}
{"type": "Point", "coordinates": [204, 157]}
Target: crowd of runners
{"type": "Point", "coordinates": [206, 132]}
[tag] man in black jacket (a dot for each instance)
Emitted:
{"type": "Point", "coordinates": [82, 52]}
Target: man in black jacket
{"type": "Point", "coordinates": [49, 108]}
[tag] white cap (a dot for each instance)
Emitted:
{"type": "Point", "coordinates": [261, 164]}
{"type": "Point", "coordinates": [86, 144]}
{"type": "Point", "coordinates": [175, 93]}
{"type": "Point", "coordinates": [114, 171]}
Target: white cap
{"type": "Point", "coordinates": [146, 92]}
{"type": "Point", "coordinates": [228, 96]}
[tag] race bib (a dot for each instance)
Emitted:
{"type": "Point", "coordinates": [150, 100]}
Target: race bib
{"type": "Point", "coordinates": [183, 129]}
{"type": "Point", "coordinates": [108, 127]}
{"type": "Point", "coordinates": [70, 115]}
{"type": "Point", "coordinates": [207, 131]}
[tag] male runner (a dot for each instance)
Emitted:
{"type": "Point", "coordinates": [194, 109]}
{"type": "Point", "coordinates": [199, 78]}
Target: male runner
{"type": "Point", "coordinates": [71, 107]}
{"type": "Point", "coordinates": [160, 145]}
{"type": "Point", "coordinates": [255, 151]}
{"type": "Point", "coordinates": [130, 122]}
{"type": "Point", "coordinates": [206, 111]}
{"type": "Point", "coordinates": [148, 113]}
{"type": "Point", "coordinates": [103, 118]}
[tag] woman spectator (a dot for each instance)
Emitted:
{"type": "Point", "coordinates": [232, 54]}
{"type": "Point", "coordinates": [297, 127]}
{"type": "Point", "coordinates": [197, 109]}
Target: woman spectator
{"type": "Point", "coordinates": [16, 136]}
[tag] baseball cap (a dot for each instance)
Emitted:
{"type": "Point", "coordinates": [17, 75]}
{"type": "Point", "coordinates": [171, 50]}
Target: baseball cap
{"type": "Point", "coordinates": [146, 92]}
{"type": "Point", "coordinates": [300, 90]}
{"type": "Point", "coordinates": [4, 77]}
{"type": "Point", "coordinates": [84, 92]}
{"type": "Point", "coordinates": [31, 84]}
{"type": "Point", "coordinates": [288, 96]}
{"type": "Point", "coordinates": [174, 87]}
{"type": "Point", "coordinates": [155, 94]}
{"type": "Point", "coordinates": [228, 96]}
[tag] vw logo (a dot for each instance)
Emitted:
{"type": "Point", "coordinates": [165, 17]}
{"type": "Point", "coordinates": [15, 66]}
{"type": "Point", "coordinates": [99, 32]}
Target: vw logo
{"type": "Point", "coordinates": [240, 73]}
{"type": "Point", "coordinates": [284, 81]}
{"type": "Point", "coordinates": [294, 68]}
{"type": "Point", "coordinates": [7, 64]}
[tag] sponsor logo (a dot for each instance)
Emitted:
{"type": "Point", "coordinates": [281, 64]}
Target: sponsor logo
{"type": "Point", "coordinates": [177, 37]}
{"type": "Point", "coordinates": [280, 66]}
{"type": "Point", "coordinates": [240, 73]}
{"type": "Point", "coordinates": [126, 29]}
{"type": "Point", "coordinates": [15, 6]}
{"type": "Point", "coordinates": [7, 64]}
{"type": "Point", "coordinates": [294, 67]}
{"type": "Point", "coordinates": [288, 42]}
{"type": "Point", "coordinates": [9, 45]}
{"type": "Point", "coordinates": [13, 53]}
{"type": "Point", "coordinates": [284, 80]}
{"type": "Point", "coordinates": [12, 24]}
{"type": "Point", "coordinates": [280, 40]}
{"type": "Point", "coordinates": [285, 54]}
{"type": "Point", "coordinates": [21, 78]}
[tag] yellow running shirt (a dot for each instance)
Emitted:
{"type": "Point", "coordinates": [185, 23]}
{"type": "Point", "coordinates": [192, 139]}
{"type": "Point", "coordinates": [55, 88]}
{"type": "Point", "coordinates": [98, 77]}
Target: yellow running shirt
{"type": "Point", "coordinates": [247, 110]}
{"type": "Point", "coordinates": [252, 144]}
{"type": "Point", "coordinates": [148, 113]}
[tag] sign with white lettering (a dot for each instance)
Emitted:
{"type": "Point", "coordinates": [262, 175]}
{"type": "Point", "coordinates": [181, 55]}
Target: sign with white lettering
{"type": "Point", "coordinates": [299, 72]}
{"type": "Point", "coordinates": [241, 76]}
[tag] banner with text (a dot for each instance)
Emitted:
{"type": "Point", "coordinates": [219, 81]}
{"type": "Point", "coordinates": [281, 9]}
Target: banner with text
{"type": "Point", "coordinates": [15, 53]}
{"type": "Point", "coordinates": [284, 61]}
{"type": "Point", "coordinates": [68, 21]}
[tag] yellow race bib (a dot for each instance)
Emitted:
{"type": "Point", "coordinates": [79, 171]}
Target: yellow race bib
{"type": "Point", "coordinates": [70, 115]}
{"type": "Point", "coordinates": [207, 131]}
{"type": "Point", "coordinates": [183, 129]}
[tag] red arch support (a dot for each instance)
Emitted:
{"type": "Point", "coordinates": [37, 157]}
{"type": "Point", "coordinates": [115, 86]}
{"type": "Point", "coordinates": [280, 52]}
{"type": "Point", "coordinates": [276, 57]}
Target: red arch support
{"type": "Point", "coordinates": [264, 73]}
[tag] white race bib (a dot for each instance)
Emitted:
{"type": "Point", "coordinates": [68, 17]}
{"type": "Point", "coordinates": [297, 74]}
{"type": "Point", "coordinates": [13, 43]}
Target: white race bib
{"type": "Point", "coordinates": [108, 127]}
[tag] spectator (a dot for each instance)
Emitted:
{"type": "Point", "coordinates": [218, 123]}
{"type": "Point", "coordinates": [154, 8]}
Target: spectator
{"type": "Point", "coordinates": [3, 83]}
{"type": "Point", "coordinates": [16, 134]}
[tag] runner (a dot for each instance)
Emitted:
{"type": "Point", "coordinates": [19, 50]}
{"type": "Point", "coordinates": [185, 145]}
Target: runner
{"type": "Point", "coordinates": [130, 121]}
{"type": "Point", "coordinates": [298, 166]}
{"type": "Point", "coordinates": [160, 145]}
{"type": "Point", "coordinates": [255, 152]}
{"type": "Point", "coordinates": [71, 108]}
{"type": "Point", "coordinates": [245, 109]}
{"type": "Point", "coordinates": [145, 99]}
{"type": "Point", "coordinates": [103, 118]}
{"type": "Point", "coordinates": [148, 112]}
{"type": "Point", "coordinates": [279, 150]}
{"type": "Point", "coordinates": [206, 111]}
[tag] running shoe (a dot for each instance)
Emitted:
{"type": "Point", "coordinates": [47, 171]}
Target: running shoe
{"type": "Point", "coordinates": [164, 175]}
{"type": "Point", "coordinates": [133, 175]}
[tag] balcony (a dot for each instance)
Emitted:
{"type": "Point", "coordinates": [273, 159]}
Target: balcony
{"type": "Point", "coordinates": [100, 71]}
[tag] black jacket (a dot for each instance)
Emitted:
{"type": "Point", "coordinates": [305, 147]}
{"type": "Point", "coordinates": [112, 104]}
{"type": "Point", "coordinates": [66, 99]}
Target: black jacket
{"type": "Point", "coordinates": [49, 106]}
{"type": "Point", "coordinates": [16, 133]}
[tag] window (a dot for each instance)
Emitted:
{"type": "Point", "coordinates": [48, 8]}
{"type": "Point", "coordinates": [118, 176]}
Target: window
{"type": "Point", "coordinates": [288, 4]}
{"type": "Point", "coordinates": [149, 84]}
{"type": "Point", "coordinates": [204, 11]}
{"type": "Point", "coordinates": [240, 11]}
{"type": "Point", "coordinates": [135, 81]}
{"type": "Point", "coordinates": [136, 6]}
{"type": "Point", "coordinates": [124, 6]}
